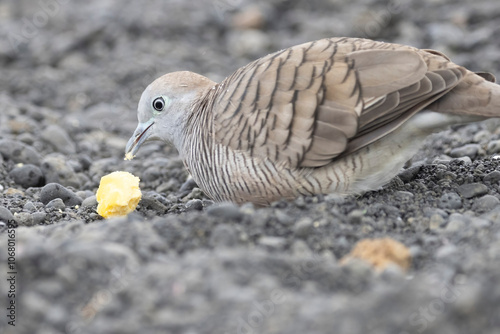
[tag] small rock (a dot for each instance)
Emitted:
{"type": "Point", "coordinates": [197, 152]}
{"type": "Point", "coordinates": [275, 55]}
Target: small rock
{"type": "Point", "coordinates": [194, 205]}
{"type": "Point", "coordinates": [5, 215]}
{"type": "Point", "coordinates": [404, 195]}
{"type": "Point", "coordinates": [486, 203]}
{"type": "Point", "coordinates": [303, 227]}
{"type": "Point", "coordinates": [450, 200]}
{"type": "Point", "coordinates": [55, 190]}
{"type": "Point", "coordinates": [272, 242]}
{"type": "Point", "coordinates": [38, 217]}
{"type": "Point", "coordinates": [83, 194]}
{"type": "Point", "coordinates": [472, 190]}
{"type": "Point", "coordinates": [56, 170]}
{"type": "Point", "coordinates": [27, 176]}
{"type": "Point", "coordinates": [492, 177]}
{"type": "Point", "coordinates": [466, 160]}
{"type": "Point", "coordinates": [29, 206]}
{"type": "Point", "coordinates": [187, 187]}
{"type": "Point", "coordinates": [469, 150]}
{"type": "Point", "coordinates": [19, 152]}
{"type": "Point", "coordinates": [59, 139]}
{"type": "Point", "coordinates": [149, 201]}
{"type": "Point", "coordinates": [89, 202]}
{"type": "Point", "coordinates": [225, 210]}
{"type": "Point", "coordinates": [493, 147]}
{"type": "Point", "coordinates": [409, 174]}
{"type": "Point", "coordinates": [24, 219]}
{"type": "Point", "coordinates": [355, 216]}
{"type": "Point", "coordinates": [57, 204]}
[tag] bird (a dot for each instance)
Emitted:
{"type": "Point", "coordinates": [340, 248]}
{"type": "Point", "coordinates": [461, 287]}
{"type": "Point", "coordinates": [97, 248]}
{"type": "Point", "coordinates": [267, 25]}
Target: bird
{"type": "Point", "coordinates": [332, 116]}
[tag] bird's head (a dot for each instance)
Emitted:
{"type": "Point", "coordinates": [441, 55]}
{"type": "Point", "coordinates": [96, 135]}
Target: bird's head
{"type": "Point", "coordinates": [164, 107]}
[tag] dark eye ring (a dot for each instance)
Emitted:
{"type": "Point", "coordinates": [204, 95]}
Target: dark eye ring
{"type": "Point", "coordinates": [159, 103]}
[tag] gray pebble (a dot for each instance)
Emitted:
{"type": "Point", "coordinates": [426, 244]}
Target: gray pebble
{"type": "Point", "coordinates": [225, 210]}
{"type": "Point", "coordinates": [465, 159]}
{"type": "Point", "coordinates": [404, 195]}
{"type": "Point", "coordinates": [57, 204]}
{"type": "Point", "coordinates": [38, 217]}
{"type": "Point", "coordinates": [355, 216]}
{"type": "Point", "coordinates": [89, 202]}
{"type": "Point", "coordinates": [83, 194]}
{"type": "Point", "coordinates": [56, 170]}
{"type": "Point", "coordinates": [29, 206]}
{"type": "Point", "coordinates": [303, 227]}
{"type": "Point", "coordinates": [59, 139]}
{"type": "Point", "coordinates": [450, 200]}
{"type": "Point", "coordinates": [55, 190]}
{"type": "Point", "coordinates": [272, 242]}
{"type": "Point", "coordinates": [283, 218]}
{"type": "Point", "coordinates": [194, 205]}
{"type": "Point", "coordinates": [27, 176]}
{"type": "Point", "coordinates": [409, 174]}
{"type": "Point", "coordinates": [493, 147]}
{"type": "Point", "coordinates": [5, 215]}
{"type": "Point", "coordinates": [472, 190]}
{"type": "Point", "coordinates": [486, 203]}
{"type": "Point", "coordinates": [149, 201]}
{"type": "Point", "coordinates": [469, 150]}
{"type": "Point", "coordinates": [492, 177]}
{"type": "Point", "coordinates": [19, 152]}
{"type": "Point", "coordinates": [187, 187]}
{"type": "Point", "coordinates": [24, 219]}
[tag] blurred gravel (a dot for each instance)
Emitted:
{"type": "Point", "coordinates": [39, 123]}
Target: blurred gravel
{"type": "Point", "coordinates": [72, 74]}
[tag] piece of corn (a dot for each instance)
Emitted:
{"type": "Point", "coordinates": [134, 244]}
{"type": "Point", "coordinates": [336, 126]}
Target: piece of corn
{"type": "Point", "coordinates": [118, 194]}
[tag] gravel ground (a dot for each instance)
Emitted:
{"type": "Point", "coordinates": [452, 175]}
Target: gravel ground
{"type": "Point", "coordinates": [71, 76]}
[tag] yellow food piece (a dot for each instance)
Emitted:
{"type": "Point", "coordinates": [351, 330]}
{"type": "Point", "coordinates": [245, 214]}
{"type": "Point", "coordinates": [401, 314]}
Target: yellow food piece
{"type": "Point", "coordinates": [129, 156]}
{"type": "Point", "coordinates": [118, 194]}
{"type": "Point", "coordinates": [380, 253]}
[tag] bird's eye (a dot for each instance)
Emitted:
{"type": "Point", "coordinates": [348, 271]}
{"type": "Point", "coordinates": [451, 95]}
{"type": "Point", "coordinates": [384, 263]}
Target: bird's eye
{"type": "Point", "coordinates": [159, 103]}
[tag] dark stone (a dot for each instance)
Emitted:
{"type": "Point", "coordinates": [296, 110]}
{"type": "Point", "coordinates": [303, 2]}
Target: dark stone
{"type": "Point", "coordinates": [27, 176]}
{"type": "Point", "coordinates": [55, 190]}
{"type": "Point", "coordinates": [450, 200]}
{"type": "Point", "coordinates": [19, 152]}
{"type": "Point", "coordinates": [5, 215]}
{"type": "Point", "coordinates": [472, 190]}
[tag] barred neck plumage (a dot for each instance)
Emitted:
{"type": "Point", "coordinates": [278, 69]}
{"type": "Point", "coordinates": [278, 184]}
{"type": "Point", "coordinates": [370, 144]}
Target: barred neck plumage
{"type": "Point", "coordinates": [198, 151]}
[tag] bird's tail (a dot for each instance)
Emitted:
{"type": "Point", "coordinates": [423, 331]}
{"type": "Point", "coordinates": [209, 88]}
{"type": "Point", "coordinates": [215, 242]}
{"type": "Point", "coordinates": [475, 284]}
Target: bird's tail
{"type": "Point", "coordinates": [476, 95]}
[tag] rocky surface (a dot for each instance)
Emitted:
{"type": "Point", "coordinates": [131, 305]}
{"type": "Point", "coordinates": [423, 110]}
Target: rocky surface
{"type": "Point", "coordinates": [72, 73]}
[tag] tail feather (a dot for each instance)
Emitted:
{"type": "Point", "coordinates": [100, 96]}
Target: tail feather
{"type": "Point", "coordinates": [476, 95]}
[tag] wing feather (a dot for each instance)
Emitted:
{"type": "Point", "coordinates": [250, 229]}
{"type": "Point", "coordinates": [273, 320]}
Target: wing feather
{"type": "Point", "coordinates": [309, 104]}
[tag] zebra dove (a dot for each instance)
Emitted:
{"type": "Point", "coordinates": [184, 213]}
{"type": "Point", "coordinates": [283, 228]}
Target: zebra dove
{"type": "Point", "coordinates": [337, 115]}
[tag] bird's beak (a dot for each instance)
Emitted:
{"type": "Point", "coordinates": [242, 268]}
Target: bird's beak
{"type": "Point", "coordinates": [141, 134]}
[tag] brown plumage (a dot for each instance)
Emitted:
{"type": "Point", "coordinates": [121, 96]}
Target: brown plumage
{"type": "Point", "coordinates": [335, 115]}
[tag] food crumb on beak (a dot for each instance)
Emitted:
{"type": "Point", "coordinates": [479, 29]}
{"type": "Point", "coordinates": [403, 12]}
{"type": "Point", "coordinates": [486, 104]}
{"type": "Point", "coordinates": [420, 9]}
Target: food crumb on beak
{"type": "Point", "coordinates": [129, 156]}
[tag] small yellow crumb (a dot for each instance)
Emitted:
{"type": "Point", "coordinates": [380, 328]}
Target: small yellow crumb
{"type": "Point", "coordinates": [118, 194]}
{"type": "Point", "coordinates": [380, 253]}
{"type": "Point", "coordinates": [129, 156]}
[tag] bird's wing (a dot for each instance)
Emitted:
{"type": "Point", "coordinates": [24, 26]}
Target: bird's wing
{"type": "Point", "coordinates": [308, 104]}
